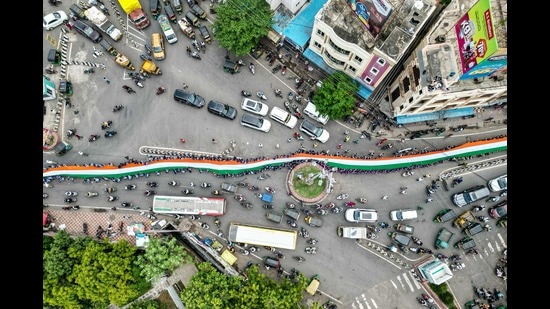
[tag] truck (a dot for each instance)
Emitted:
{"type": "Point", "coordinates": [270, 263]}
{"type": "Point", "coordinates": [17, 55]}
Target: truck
{"type": "Point", "coordinates": [227, 187]}
{"type": "Point", "coordinates": [135, 12]}
{"type": "Point", "coordinates": [353, 232]}
{"type": "Point", "coordinates": [463, 219]}
{"type": "Point", "coordinates": [445, 215]}
{"type": "Point", "coordinates": [98, 18]}
{"type": "Point", "coordinates": [274, 216]}
{"type": "Point", "coordinates": [444, 238]}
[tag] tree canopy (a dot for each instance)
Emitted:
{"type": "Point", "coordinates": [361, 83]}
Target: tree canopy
{"type": "Point", "coordinates": [212, 289]}
{"type": "Point", "coordinates": [162, 256]}
{"type": "Point", "coordinates": [241, 23]}
{"type": "Point", "coordinates": [336, 96]}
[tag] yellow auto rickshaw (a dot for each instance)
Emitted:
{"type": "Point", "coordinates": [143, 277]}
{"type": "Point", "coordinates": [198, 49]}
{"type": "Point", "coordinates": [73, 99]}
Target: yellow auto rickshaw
{"type": "Point", "coordinates": [124, 62]}
{"type": "Point", "coordinates": [313, 285]}
{"type": "Point", "coordinates": [150, 67]}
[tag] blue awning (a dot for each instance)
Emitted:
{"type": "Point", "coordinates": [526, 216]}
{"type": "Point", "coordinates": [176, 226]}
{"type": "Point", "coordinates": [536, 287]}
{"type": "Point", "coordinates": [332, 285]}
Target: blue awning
{"type": "Point", "coordinates": [364, 92]}
{"type": "Point", "coordinates": [459, 112]}
{"type": "Point", "coordinates": [318, 60]}
{"type": "Point", "coordinates": [298, 30]}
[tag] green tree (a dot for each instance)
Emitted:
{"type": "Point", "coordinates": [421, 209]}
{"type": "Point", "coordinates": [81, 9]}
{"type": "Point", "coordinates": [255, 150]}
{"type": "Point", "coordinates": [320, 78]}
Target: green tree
{"type": "Point", "coordinates": [241, 24]}
{"type": "Point", "coordinates": [145, 304]}
{"type": "Point", "coordinates": [336, 96]}
{"type": "Point", "coordinates": [162, 255]}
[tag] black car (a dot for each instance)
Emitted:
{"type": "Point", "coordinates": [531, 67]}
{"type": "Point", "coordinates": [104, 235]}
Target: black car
{"type": "Point", "coordinates": [87, 31]}
{"type": "Point", "coordinates": [188, 98]}
{"type": "Point", "coordinates": [222, 110]}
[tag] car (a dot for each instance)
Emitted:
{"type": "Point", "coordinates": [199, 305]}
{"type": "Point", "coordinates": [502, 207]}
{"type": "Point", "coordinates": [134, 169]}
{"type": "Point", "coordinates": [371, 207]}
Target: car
{"type": "Point", "coordinates": [254, 107]}
{"type": "Point", "coordinates": [71, 193]}
{"type": "Point", "coordinates": [403, 214]}
{"type": "Point", "coordinates": [157, 43]}
{"type": "Point", "coordinates": [255, 122]}
{"type": "Point", "coordinates": [167, 29]}
{"type": "Point", "coordinates": [470, 195]}
{"type": "Point", "coordinates": [313, 130]}
{"type": "Point", "coordinates": [70, 200]}
{"type": "Point", "coordinates": [188, 98]}
{"type": "Point", "coordinates": [222, 110]}
{"type": "Point", "coordinates": [361, 215]}
{"type": "Point", "coordinates": [87, 31]}
{"type": "Point", "coordinates": [404, 228]}
{"type": "Point", "coordinates": [499, 210]}
{"type": "Point", "coordinates": [498, 184]}
{"type": "Point", "coordinates": [54, 19]}
{"type": "Point", "coordinates": [283, 117]}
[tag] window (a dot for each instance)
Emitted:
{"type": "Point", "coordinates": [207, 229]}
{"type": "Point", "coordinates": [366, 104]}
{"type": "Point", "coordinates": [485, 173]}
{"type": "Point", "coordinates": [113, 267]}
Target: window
{"type": "Point", "coordinates": [368, 80]}
{"type": "Point", "coordinates": [321, 33]}
{"type": "Point", "coordinates": [358, 59]}
{"type": "Point", "coordinates": [381, 61]}
{"type": "Point", "coordinates": [338, 49]}
{"type": "Point", "coordinates": [352, 69]}
{"type": "Point", "coordinates": [317, 44]}
{"type": "Point", "coordinates": [374, 71]}
{"type": "Point", "coordinates": [334, 60]}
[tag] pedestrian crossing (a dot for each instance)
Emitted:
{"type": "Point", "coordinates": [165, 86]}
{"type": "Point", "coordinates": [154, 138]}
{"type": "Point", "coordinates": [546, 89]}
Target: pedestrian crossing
{"type": "Point", "coordinates": [385, 294]}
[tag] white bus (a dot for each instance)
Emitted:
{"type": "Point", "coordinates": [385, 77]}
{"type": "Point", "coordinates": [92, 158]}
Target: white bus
{"type": "Point", "coordinates": [262, 236]}
{"type": "Point", "coordinates": [186, 205]}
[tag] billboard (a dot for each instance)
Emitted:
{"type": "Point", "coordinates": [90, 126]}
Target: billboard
{"type": "Point", "coordinates": [372, 13]}
{"type": "Point", "coordinates": [475, 35]}
{"type": "Point", "coordinates": [492, 66]}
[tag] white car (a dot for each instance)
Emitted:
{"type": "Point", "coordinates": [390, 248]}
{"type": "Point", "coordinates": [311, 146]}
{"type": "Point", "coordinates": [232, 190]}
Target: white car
{"type": "Point", "coordinates": [255, 122]}
{"type": "Point", "coordinates": [254, 107]}
{"type": "Point", "coordinates": [498, 184]}
{"type": "Point", "coordinates": [283, 117]}
{"type": "Point", "coordinates": [403, 214]}
{"type": "Point", "coordinates": [311, 129]}
{"type": "Point", "coordinates": [361, 215]}
{"type": "Point", "coordinates": [54, 19]}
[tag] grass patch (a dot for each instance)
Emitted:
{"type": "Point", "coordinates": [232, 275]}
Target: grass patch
{"type": "Point", "coordinates": [305, 190]}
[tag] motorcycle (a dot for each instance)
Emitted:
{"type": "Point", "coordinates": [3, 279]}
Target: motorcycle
{"type": "Point", "coordinates": [312, 241]}
{"type": "Point", "coordinates": [383, 225]}
{"type": "Point", "coordinates": [251, 67]}
{"type": "Point", "coordinates": [91, 194]}
{"type": "Point", "coordinates": [145, 57]}
{"type": "Point", "coordinates": [71, 132]}
{"type": "Point", "coordinates": [205, 226]}
{"type": "Point", "coordinates": [270, 190]}
{"type": "Point", "coordinates": [493, 199]}
{"type": "Point", "coordinates": [205, 185]}
{"type": "Point", "coordinates": [194, 217]}
{"type": "Point", "coordinates": [278, 93]}
{"type": "Point", "coordinates": [130, 187]}
{"type": "Point", "coordinates": [483, 218]}
{"type": "Point", "coordinates": [292, 223]}
{"type": "Point", "coordinates": [152, 184]}
{"type": "Point", "coordinates": [110, 134]}
{"type": "Point", "coordinates": [196, 55]}
{"type": "Point", "coordinates": [290, 205]}
{"type": "Point", "coordinates": [349, 204]}
{"type": "Point", "coordinates": [112, 198]}
{"type": "Point", "coordinates": [244, 252]}
{"type": "Point", "coordinates": [267, 206]}
{"type": "Point", "coordinates": [246, 205]}
{"type": "Point", "coordinates": [149, 192]}
{"type": "Point", "coordinates": [245, 93]}
{"type": "Point", "coordinates": [408, 173]}
{"type": "Point", "coordinates": [148, 49]}
{"type": "Point", "coordinates": [387, 146]}
{"type": "Point", "coordinates": [276, 68]}
{"type": "Point", "coordinates": [416, 240]}
{"type": "Point", "coordinates": [160, 90]}
{"type": "Point", "coordinates": [127, 204]}
{"type": "Point", "coordinates": [138, 83]}
{"type": "Point", "coordinates": [283, 70]}
{"type": "Point", "coordinates": [473, 251]}
{"type": "Point", "coordinates": [253, 249]}
{"type": "Point", "coordinates": [173, 183]}
{"type": "Point", "coordinates": [89, 71]}
{"type": "Point", "coordinates": [187, 192]}
{"type": "Point", "coordinates": [290, 96]}
{"type": "Point", "coordinates": [373, 228]}
{"type": "Point", "coordinates": [128, 89]}
{"type": "Point", "coordinates": [93, 137]}
{"type": "Point", "coordinates": [54, 2]}
{"type": "Point", "coordinates": [118, 108]}
{"type": "Point", "coordinates": [261, 95]}
{"type": "Point", "coordinates": [299, 259]}
{"type": "Point", "coordinates": [216, 192]}
{"type": "Point", "coordinates": [311, 250]}
{"type": "Point", "coordinates": [478, 208]}
{"type": "Point", "coordinates": [287, 106]}
{"type": "Point", "coordinates": [336, 210]}
{"type": "Point", "coordinates": [74, 207]}
{"type": "Point", "coordinates": [322, 212]}
{"type": "Point", "coordinates": [106, 124]}
{"type": "Point", "coordinates": [239, 197]}
{"type": "Point", "coordinates": [342, 196]}
{"type": "Point", "coordinates": [361, 200]}
{"type": "Point", "coordinates": [304, 233]}
{"type": "Point", "coordinates": [380, 142]}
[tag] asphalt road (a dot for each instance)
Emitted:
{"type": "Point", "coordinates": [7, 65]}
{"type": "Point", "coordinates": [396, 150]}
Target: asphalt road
{"type": "Point", "coordinates": [350, 274]}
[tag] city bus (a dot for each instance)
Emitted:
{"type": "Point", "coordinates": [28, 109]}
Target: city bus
{"type": "Point", "coordinates": [262, 236]}
{"type": "Point", "coordinates": [189, 205]}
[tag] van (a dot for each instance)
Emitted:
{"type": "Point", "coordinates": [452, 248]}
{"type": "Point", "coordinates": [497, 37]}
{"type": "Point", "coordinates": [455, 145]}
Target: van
{"type": "Point", "coordinates": [155, 7]}
{"type": "Point", "coordinates": [283, 117]}
{"type": "Point", "coordinates": [312, 112]}
{"type": "Point", "coordinates": [192, 18]}
{"type": "Point", "coordinates": [274, 216]}
{"type": "Point", "coordinates": [404, 228]}
{"type": "Point", "coordinates": [157, 42]}
{"type": "Point", "coordinates": [470, 195]}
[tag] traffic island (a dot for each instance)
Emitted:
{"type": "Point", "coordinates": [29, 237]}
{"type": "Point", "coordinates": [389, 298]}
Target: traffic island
{"type": "Point", "coordinates": [308, 182]}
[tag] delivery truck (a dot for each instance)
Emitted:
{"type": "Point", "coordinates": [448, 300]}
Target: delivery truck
{"type": "Point", "coordinates": [99, 19]}
{"type": "Point", "coordinates": [135, 13]}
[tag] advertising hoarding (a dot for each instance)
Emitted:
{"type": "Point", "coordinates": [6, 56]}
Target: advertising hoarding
{"type": "Point", "coordinates": [372, 13]}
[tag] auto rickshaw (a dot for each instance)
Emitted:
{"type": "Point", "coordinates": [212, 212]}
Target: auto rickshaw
{"type": "Point", "coordinates": [65, 87]}
{"type": "Point", "coordinates": [54, 57]}
{"type": "Point", "coordinates": [124, 62]}
{"type": "Point", "coordinates": [231, 67]}
{"type": "Point", "coordinates": [313, 285]}
{"type": "Point", "coordinates": [150, 67]}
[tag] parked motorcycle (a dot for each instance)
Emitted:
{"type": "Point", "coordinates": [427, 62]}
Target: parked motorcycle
{"type": "Point", "coordinates": [245, 93]}
{"type": "Point", "coordinates": [311, 250]}
{"type": "Point", "coordinates": [91, 194]}
{"type": "Point", "coordinates": [276, 68]}
{"type": "Point", "coordinates": [112, 198]}
{"type": "Point", "coordinates": [246, 204]}
{"type": "Point", "coordinates": [290, 96]}
{"type": "Point", "coordinates": [278, 93]}
{"type": "Point", "coordinates": [251, 67]}
{"type": "Point", "coordinates": [138, 83]}
{"type": "Point", "coordinates": [196, 55]}
{"type": "Point", "coordinates": [478, 208]}
{"type": "Point", "coordinates": [160, 90]}
{"type": "Point", "coordinates": [361, 200]}
{"type": "Point", "coordinates": [89, 71]}
{"type": "Point", "coordinates": [149, 192]}
{"type": "Point", "coordinates": [261, 95]}
{"type": "Point", "coordinates": [216, 192]}
{"type": "Point", "coordinates": [267, 206]}
{"type": "Point", "coordinates": [299, 259]}
{"type": "Point", "coordinates": [187, 192]}
{"type": "Point", "coordinates": [292, 223]}
{"type": "Point", "coordinates": [283, 70]}
{"type": "Point", "coordinates": [173, 183]}
{"type": "Point", "coordinates": [118, 108]}
{"type": "Point", "coordinates": [342, 196]}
